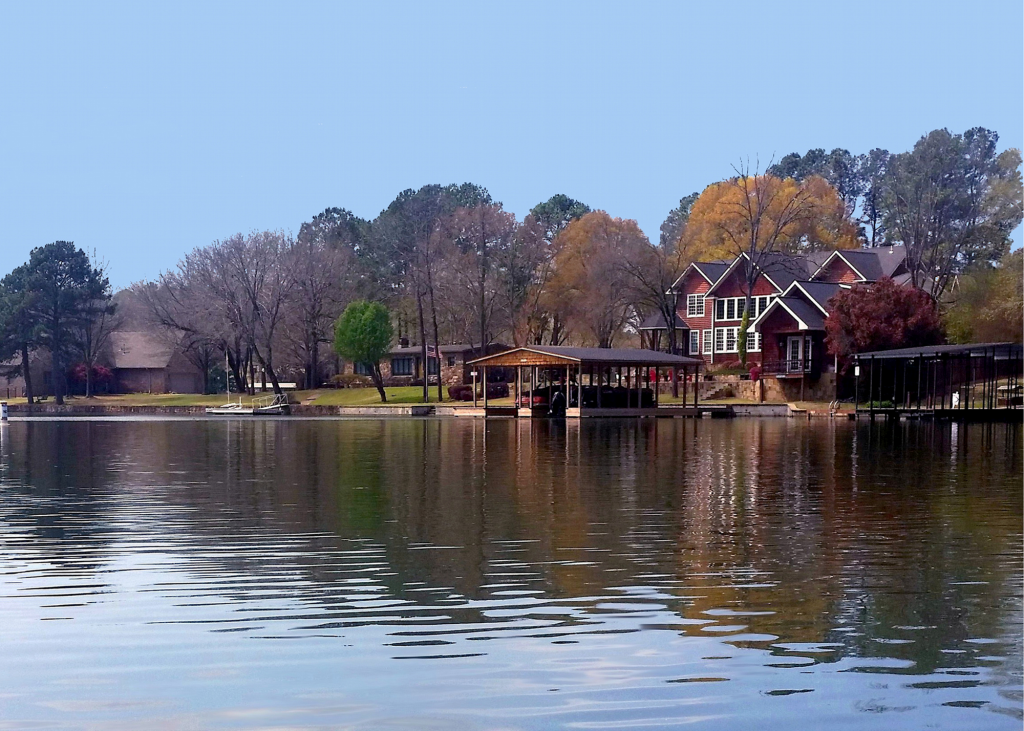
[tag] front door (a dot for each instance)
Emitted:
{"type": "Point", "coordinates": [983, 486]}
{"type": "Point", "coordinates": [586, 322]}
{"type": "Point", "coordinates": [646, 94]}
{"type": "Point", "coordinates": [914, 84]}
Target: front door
{"type": "Point", "coordinates": [798, 354]}
{"type": "Point", "coordinates": [795, 354]}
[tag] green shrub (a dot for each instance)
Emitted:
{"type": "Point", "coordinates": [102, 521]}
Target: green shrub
{"type": "Point", "coordinates": [350, 380]}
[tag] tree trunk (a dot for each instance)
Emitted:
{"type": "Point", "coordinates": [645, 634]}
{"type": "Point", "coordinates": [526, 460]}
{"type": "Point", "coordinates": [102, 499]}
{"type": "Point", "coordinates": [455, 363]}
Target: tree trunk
{"type": "Point", "coordinates": [57, 370]}
{"type": "Point", "coordinates": [437, 344]}
{"type": "Point", "coordinates": [423, 344]}
{"type": "Point", "coordinates": [314, 370]}
{"type": "Point", "coordinates": [378, 381]}
{"type": "Point", "coordinates": [237, 371]}
{"type": "Point", "coordinates": [26, 373]}
{"type": "Point", "coordinates": [267, 365]}
{"type": "Point", "coordinates": [269, 370]}
{"type": "Point", "coordinates": [88, 379]}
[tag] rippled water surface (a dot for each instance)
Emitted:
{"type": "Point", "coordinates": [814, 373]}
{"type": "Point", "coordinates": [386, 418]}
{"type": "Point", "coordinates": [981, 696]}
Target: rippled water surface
{"type": "Point", "coordinates": [458, 574]}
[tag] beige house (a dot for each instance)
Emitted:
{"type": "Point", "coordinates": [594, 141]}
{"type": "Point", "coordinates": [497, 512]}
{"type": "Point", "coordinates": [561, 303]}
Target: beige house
{"type": "Point", "coordinates": [143, 362]}
{"type": "Point", "coordinates": [404, 364]}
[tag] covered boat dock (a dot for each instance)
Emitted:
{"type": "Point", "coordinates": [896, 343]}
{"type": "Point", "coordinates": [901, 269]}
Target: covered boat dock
{"type": "Point", "coordinates": [976, 382]}
{"type": "Point", "coordinates": [589, 381]}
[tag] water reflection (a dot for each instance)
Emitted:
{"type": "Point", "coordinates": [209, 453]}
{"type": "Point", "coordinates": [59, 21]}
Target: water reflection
{"type": "Point", "coordinates": [523, 575]}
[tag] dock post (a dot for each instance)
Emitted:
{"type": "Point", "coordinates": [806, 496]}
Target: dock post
{"type": "Point", "coordinates": [871, 389]}
{"type": "Point", "coordinates": [920, 358]}
{"type": "Point", "coordinates": [696, 387]}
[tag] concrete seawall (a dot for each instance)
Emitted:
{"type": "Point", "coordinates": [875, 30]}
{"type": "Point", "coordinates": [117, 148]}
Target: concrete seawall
{"type": "Point", "coordinates": [49, 410]}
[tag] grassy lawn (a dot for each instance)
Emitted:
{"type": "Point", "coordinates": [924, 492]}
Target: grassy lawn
{"type": "Point", "coordinates": [397, 396]}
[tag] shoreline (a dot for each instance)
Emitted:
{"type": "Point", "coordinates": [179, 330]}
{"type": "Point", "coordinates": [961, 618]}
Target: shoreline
{"type": "Point", "coordinates": [52, 412]}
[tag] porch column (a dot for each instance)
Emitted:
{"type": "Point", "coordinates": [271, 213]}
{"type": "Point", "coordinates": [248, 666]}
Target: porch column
{"type": "Point", "coordinates": [485, 387]}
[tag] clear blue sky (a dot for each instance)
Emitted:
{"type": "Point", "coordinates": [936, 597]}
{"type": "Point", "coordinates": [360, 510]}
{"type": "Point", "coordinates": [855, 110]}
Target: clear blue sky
{"type": "Point", "coordinates": [142, 130]}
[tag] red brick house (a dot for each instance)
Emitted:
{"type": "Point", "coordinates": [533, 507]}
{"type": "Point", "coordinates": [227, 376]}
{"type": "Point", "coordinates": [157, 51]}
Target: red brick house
{"type": "Point", "coordinates": [711, 296]}
{"type": "Point", "coordinates": [791, 330]}
{"type": "Point", "coordinates": [693, 312]}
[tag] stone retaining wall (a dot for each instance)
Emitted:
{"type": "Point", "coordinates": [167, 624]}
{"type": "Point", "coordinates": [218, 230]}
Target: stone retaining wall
{"type": "Point", "coordinates": [102, 410]}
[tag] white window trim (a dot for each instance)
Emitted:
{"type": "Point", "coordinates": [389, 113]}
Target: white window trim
{"type": "Point", "coordinates": [694, 342]}
{"type": "Point", "coordinates": [694, 305]}
{"type": "Point", "coordinates": [737, 304]}
{"type": "Point", "coordinates": [707, 341]}
{"type": "Point", "coordinates": [723, 336]}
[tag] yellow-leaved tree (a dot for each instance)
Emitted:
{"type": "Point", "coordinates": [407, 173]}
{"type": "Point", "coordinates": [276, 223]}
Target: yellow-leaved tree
{"type": "Point", "coordinates": [767, 220]}
{"type": "Point", "coordinates": [589, 285]}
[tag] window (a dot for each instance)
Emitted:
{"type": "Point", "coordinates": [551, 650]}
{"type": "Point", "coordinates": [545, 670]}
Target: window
{"type": "Point", "coordinates": [451, 361]}
{"type": "Point", "coordinates": [432, 366]}
{"type": "Point", "coordinates": [707, 341]}
{"type": "Point", "coordinates": [730, 339]}
{"type": "Point", "coordinates": [754, 342]}
{"type": "Point", "coordinates": [727, 339]}
{"type": "Point", "coordinates": [731, 308]}
{"type": "Point", "coordinates": [694, 342]}
{"type": "Point", "coordinates": [401, 366]}
{"type": "Point", "coordinates": [694, 305]}
{"type": "Point", "coordinates": [363, 369]}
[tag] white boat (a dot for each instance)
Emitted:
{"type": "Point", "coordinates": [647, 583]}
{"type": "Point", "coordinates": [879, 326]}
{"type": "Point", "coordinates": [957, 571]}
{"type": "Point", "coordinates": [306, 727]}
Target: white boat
{"type": "Point", "coordinates": [262, 405]}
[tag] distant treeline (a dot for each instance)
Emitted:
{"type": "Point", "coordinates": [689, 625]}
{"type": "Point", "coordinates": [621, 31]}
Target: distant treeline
{"type": "Point", "coordinates": [453, 266]}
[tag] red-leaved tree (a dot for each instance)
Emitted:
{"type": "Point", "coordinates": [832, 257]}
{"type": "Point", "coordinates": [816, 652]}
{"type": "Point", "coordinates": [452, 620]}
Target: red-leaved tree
{"type": "Point", "coordinates": [881, 316]}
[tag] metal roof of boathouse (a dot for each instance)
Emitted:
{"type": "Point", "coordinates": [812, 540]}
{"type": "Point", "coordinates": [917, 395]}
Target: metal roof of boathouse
{"type": "Point", "coordinates": [998, 350]}
{"type": "Point", "coordinates": [562, 354]}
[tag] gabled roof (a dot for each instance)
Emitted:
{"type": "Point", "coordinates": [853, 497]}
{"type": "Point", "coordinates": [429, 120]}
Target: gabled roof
{"type": "Point", "coordinates": [608, 356]}
{"type": "Point", "coordinates": [712, 271]}
{"type": "Point", "coordinates": [139, 350]}
{"type": "Point", "coordinates": [870, 264]}
{"type": "Point", "coordinates": [656, 321]}
{"type": "Point", "coordinates": [445, 349]}
{"type": "Point", "coordinates": [807, 315]}
{"type": "Point", "coordinates": [817, 293]}
{"type": "Point", "coordinates": [780, 270]}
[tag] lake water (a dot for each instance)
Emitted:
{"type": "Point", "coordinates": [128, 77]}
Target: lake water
{"type": "Point", "coordinates": [423, 574]}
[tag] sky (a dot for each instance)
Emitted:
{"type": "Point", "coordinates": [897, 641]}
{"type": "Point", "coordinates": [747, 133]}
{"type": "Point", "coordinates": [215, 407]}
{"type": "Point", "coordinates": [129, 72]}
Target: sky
{"type": "Point", "coordinates": [143, 130]}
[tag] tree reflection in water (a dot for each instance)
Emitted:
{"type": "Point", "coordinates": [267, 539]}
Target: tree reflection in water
{"type": "Point", "coordinates": [771, 553]}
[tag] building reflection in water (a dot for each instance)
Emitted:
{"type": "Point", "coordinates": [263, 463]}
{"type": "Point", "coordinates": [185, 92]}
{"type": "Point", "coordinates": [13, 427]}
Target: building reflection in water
{"type": "Point", "coordinates": [814, 541]}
